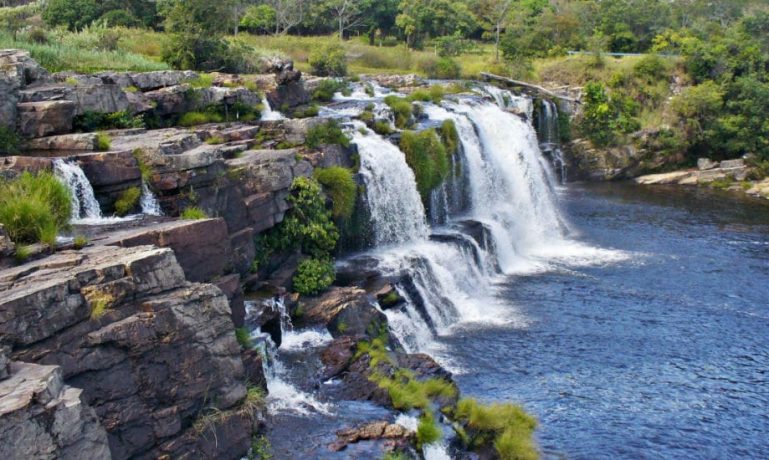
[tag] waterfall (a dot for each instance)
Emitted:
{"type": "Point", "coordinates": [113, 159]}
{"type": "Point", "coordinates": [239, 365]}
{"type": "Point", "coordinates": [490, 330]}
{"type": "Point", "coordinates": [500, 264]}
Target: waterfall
{"type": "Point", "coordinates": [396, 207]}
{"type": "Point", "coordinates": [149, 202]}
{"type": "Point", "coordinates": [283, 396]}
{"type": "Point", "coordinates": [84, 204]}
{"type": "Point", "coordinates": [269, 114]}
{"type": "Point", "coordinates": [549, 137]}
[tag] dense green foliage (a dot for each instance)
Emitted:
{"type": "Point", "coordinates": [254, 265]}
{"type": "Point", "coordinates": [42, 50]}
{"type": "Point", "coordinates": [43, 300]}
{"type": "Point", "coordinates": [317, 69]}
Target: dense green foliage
{"type": "Point", "coordinates": [402, 109]}
{"type": "Point", "coordinates": [128, 201]}
{"type": "Point", "coordinates": [95, 121]}
{"type": "Point", "coordinates": [328, 132]}
{"type": "Point", "coordinates": [507, 426]}
{"type": "Point", "coordinates": [329, 61]}
{"type": "Point", "coordinates": [193, 213]}
{"type": "Point", "coordinates": [9, 141]}
{"type": "Point", "coordinates": [327, 88]}
{"type": "Point", "coordinates": [313, 276]}
{"type": "Point", "coordinates": [309, 228]}
{"type": "Point", "coordinates": [33, 208]}
{"type": "Point", "coordinates": [427, 157]}
{"type": "Point", "coordinates": [340, 186]}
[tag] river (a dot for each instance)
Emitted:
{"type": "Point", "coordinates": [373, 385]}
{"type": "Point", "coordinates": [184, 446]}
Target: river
{"type": "Point", "coordinates": [662, 355]}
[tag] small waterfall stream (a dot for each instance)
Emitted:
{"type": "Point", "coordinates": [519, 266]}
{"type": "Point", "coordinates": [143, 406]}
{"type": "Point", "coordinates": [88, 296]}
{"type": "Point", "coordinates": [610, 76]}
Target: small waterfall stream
{"type": "Point", "coordinates": [84, 204]}
{"type": "Point", "coordinates": [149, 202]}
{"type": "Point", "coordinates": [268, 113]}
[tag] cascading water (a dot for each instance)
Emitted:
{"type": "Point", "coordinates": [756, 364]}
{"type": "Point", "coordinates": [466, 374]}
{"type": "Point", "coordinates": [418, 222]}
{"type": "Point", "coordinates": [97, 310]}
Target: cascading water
{"type": "Point", "coordinates": [84, 204]}
{"type": "Point", "coordinates": [549, 137]}
{"type": "Point", "coordinates": [149, 202]}
{"type": "Point", "coordinates": [268, 114]}
{"type": "Point", "coordinates": [282, 394]}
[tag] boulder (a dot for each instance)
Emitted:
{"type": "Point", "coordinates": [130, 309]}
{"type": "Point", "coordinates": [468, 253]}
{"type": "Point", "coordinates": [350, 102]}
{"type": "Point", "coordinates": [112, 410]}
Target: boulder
{"type": "Point", "coordinates": [704, 164]}
{"type": "Point", "coordinates": [111, 170]}
{"type": "Point", "coordinates": [372, 431]}
{"type": "Point", "coordinates": [291, 93]}
{"type": "Point", "coordinates": [344, 311]}
{"type": "Point", "coordinates": [40, 417]}
{"type": "Point", "coordinates": [40, 119]}
{"type": "Point", "coordinates": [149, 81]}
{"type": "Point", "coordinates": [396, 81]}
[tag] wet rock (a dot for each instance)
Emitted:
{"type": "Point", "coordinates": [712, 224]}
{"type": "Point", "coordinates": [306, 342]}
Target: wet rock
{"type": "Point", "coordinates": [5, 363]}
{"type": "Point", "coordinates": [388, 297]}
{"type": "Point", "coordinates": [40, 417]}
{"type": "Point", "coordinates": [291, 93]}
{"type": "Point", "coordinates": [254, 369]}
{"type": "Point", "coordinates": [40, 119]}
{"type": "Point", "coordinates": [344, 311]}
{"type": "Point", "coordinates": [371, 431]}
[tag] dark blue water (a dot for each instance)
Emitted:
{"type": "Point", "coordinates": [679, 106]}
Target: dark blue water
{"type": "Point", "coordinates": [665, 355]}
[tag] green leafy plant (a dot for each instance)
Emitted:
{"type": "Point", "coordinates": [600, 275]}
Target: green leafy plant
{"type": "Point", "coordinates": [402, 110]}
{"type": "Point", "coordinates": [193, 213]}
{"type": "Point", "coordinates": [427, 157]}
{"type": "Point", "coordinates": [313, 276]}
{"type": "Point", "coordinates": [338, 182]}
{"type": "Point", "coordinates": [329, 61]}
{"type": "Point", "coordinates": [127, 201]}
{"type": "Point", "coordinates": [243, 337]}
{"type": "Point", "coordinates": [326, 133]}
{"type": "Point", "coordinates": [327, 88]}
{"type": "Point", "coordinates": [95, 121]}
{"type": "Point", "coordinates": [103, 142]}
{"type": "Point", "coordinates": [33, 208]}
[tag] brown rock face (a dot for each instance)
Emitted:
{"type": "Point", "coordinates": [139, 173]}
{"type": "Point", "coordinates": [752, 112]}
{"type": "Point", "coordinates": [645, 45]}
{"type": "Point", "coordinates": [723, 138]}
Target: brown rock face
{"type": "Point", "coordinates": [152, 353]}
{"type": "Point", "coordinates": [371, 431]}
{"type": "Point", "coordinates": [40, 119]}
{"type": "Point", "coordinates": [17, 70]}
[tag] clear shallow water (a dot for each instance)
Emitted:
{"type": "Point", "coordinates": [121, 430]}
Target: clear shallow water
{"type": "Point", "coordinates": [662, 355]}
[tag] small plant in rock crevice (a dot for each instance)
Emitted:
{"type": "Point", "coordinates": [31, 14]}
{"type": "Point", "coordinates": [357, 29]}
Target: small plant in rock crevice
{"type": "Point", "coordinates": [128, 201]}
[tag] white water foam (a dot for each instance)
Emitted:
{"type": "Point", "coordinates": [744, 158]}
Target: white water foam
{"type": "Point", "coordinates": [84, 204]}
{"type": "Point", "coordinates": [268, 114]}
{"type": "Point", "coordinates": [149, 202]}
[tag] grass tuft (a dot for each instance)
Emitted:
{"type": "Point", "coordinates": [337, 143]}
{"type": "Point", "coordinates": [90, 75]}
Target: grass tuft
{"type": "Point", "coordinates": [128, 201]}
{"type": "Point", "coordinates": [193, 213]}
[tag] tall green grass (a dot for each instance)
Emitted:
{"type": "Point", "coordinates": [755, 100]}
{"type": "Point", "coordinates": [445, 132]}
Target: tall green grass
{"type": "Point", "coordinates": [33, 208]}
{"type": "Point", "coordinates": [77, 54]}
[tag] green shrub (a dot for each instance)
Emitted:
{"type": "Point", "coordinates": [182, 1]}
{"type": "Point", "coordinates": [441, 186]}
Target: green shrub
{"type": "Point", "coordinates": [307, 111]}
{"type": "Point", "coordinates": [193, 213]}
{"type": "Point", "coordinates": [190, 119]}
{"type": "Point", "coordinates": [215, 140]}
{"type": "Point", "coordinates": [382, 127]}
{"type": "Point", "coordinates": [313, 276]}
{"type": "Point", "coordinates": [447, 68]}
{"type": "Point", "coordinates": [326, 133]}
{"type": "Point", "coordinates": [428, 431]}
{"type": "Point", "coordinates": [327, 88]}
{"type": "Point", "coordinates": [33, 208]}
{"type": "Point", "coordinates": [402, 110]}
{"type": "Point", "coordinates": [427, 157]}
{"type": "Point", "coordinates": [96, 121]}
{"type": "Point", "coordinates": [22, 254]}
{"type": "Point", "coordinates": [10, 143]}
{"type": "Point", "coordinates": [128, 201]}
{"type": "Point", "coordinates": [449, 137]}
{"type": "Point", "coordinates": [329, 61]}
{"type": "Point", "coordinates": [103, 142]}
{"type": "Point", "coordinates": [340, 186]}
{"type": "Point", "coordinates": [80, 241]}
{"type": "Point", "coordinates": [120, 18]}
{"type": "Point", "coordinates": [204, 80]}
{"type": "Point", "coordinates": [510, 427]}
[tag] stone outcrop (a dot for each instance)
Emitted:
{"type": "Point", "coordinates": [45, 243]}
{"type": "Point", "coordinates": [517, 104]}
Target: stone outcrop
{"type": "Point", "coordinates": [42, 418]}
{"type": "Point", "coordinates": [344, 311]}
{"type": "Point", "coordinates": [399, 435]}
{"type": "Point", "coordinates": [152, 353]}
{"type": "Point", "coordinates": [40, 119]}
{"type": "Point", "coordinates": [17, 70]}
{"type": "Point", "coordinates": [397, 81]}
{"type": "Point", "coordinates": [708, 172]}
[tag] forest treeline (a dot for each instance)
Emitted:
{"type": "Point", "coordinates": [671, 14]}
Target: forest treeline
{"type": "Point", "coordinates": [717, 51]}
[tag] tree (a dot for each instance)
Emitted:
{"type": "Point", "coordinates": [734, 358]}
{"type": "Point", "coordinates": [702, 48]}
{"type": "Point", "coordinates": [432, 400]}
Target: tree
{"type": "Point", "coordinates": [348, 13]}
{"type": "Point", "coordinates": [260, 18]}
{"type": "Point", "coordinates": [74, 14]}
{"type": "Point", "coordinates": [494, 13]}
{"type": "Point", "coordinates": [288, 14]}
